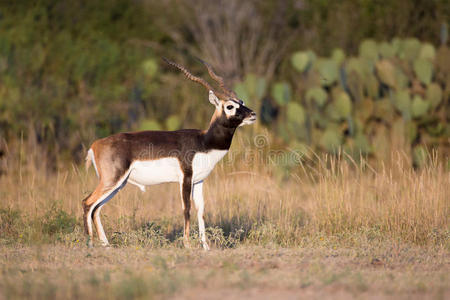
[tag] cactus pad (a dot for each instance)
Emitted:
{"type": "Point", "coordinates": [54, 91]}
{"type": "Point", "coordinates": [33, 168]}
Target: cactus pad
{"type": "Point", "coordinates": [423, 69]}
{"type": "Point", "coordinates": [281, 92]}
{"type": "Point", "coordinates": [301, 61]}
{"type": "Point", "coordinates": [318, 95]}
{"type": "Point", "coordinates": [419, 107]}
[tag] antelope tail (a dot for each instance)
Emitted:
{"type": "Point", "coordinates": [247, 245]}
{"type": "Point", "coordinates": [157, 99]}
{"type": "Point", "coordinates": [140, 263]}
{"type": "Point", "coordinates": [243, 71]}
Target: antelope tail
{"type": "Point", "coordinates": [88, 160]}
{"type": "Point", "coordinates": [91, 160]}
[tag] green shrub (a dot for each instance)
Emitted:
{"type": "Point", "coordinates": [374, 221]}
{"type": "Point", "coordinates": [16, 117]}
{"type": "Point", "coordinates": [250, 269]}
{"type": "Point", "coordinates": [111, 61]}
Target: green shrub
{"type": "Point", "coordinates": [57, 221]}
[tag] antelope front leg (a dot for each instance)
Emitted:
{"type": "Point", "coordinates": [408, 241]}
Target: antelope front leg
{"type": "Point", "coordinates": [99, 226]}
{"type": "Point", "coordinates": [197, 195]}
{"type": "Point", "coordinates": [186, 188]}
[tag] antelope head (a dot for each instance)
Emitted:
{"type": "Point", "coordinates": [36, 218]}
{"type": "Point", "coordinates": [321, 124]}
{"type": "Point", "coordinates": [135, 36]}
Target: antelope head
{"type": "Point", "coordinates": [230, 111]}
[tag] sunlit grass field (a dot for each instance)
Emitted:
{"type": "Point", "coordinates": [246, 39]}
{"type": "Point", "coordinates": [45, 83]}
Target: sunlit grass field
{"type": "Point", "coordinates": [313, 227]}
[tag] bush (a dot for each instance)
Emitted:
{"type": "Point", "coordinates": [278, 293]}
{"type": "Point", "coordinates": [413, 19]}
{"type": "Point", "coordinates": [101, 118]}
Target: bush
{"type": "Point", "coordinates": [57, 221]}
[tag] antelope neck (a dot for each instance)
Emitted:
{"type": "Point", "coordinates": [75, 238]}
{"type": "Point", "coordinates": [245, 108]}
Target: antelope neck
{"type": "Point", "coordinates": [218, 136]}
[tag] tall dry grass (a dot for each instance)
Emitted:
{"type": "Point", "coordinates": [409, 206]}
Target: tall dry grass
{"type": "Point", "coordinates": [257, 198]}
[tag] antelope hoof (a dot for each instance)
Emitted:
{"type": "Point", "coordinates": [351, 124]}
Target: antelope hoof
{"type": "Point", "coordinates": [106, 245]}
{"type": "Point", "coordinates": [89, 243]}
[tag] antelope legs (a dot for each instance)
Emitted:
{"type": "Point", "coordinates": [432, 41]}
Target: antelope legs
{"type": "Point", "coordinates": [186, 188]}
{"type": "Point", "coordinates": [197, 194]}
{"type": "Point", "coordinates": [99, 227]}
{"type": "Point", "coordinates": [92, 206]}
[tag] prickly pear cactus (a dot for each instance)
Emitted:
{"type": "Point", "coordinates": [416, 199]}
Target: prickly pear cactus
{"type": "Point", "coordinates": [364, 109]}
{"type": "Point", "coordinates": [317, 95]}
{"type": "Point", "coordinates": [402, 101]}
{"type": "Point", "coordinates": [251, 90]}
{"type": "Point", "coordinates": [423, 68]}
{"type": "Point", "coordinates": [380, 142]}
{"type": "Point", "coordinates": [383, 110]}
{"type": "Point", "coordinates": [295, 113]}
{"type": "Point", "coordinates": [434, 95]}
{"type": "Point", "coordinates": [360, 145]}
{"type": "Point", "coordinates": [386, 73]}
{"type": "Point", "coordinates": [427, 51]}
{"type": "Point", "coordinates": [401, 79]}
{"type": "Point", "coordinates": [397, 45]}
{"type": "Point", "coordinates": [173, 122]}
{"type": "Point", "coordinates": [150, 67]}
{"type": "Point", "coordinates": [328, 70]}
{"type": "Point", "coordinates": [386, 50]}
{"type": "Point", "coordinates": [343, 105]}
{"type": "Point", "coordinates": [281, 92]}
{"type": "Point", "coordinates": [301, 61]}
{"type": "Point", "coordinates": [241, 91]}
{"type": "Point", "coordinates": [338, 56]}
{"type": "Point", "coordinates": [260, 88]}
{"type": "Point", "coordinates": [409, 49]}
{"type": "Point", "coordinates": [404, 130]}
{"type": "Point", "coordinates": [368, 49]}
{"type": "Point", "coordinates": [150, 125]}
{"type": "Point", "coordinates": [389, 96]}
{"type": "Point", "coordinates": [331, 139]}
{"type": "Point", "coordinates": [419, 107]}
{"type": "Point", "coordinates": [371, 86]}
{"type": "Point", "coordinates": [356, 65]}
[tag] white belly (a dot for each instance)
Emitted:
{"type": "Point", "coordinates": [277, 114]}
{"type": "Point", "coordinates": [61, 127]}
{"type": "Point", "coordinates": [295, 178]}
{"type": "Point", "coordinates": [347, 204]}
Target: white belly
{"type": "Point", "coordinates": [204, 163]}
{"type": "Point", "coordinates": [151, 172]}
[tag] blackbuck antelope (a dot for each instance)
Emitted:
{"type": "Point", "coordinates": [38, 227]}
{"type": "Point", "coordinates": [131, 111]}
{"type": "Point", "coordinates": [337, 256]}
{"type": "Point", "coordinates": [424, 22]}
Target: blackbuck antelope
{"type": "Point", "coordinates": [185, 156]}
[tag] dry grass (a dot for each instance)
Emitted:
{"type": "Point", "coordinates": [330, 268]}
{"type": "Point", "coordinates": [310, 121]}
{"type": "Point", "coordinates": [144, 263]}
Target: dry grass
{"type": "Point", "coordinates": [61, 272]}
{"type": "Point", "coordinates": [264, 198]}
{"type": "Point", "coordinates": [317, 209]}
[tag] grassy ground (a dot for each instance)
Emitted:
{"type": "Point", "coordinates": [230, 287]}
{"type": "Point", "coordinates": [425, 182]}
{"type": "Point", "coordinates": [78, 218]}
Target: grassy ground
{"type": "Point", "coordinates": [375, 271]}
{"type": "Point", "coordinates": [324, 228]}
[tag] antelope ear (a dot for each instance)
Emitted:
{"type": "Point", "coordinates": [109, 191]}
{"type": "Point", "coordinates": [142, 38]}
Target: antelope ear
{"type": "Point", "coordinates": [213, 99]}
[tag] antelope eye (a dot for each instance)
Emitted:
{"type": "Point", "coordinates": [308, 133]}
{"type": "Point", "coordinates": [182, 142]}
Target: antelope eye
{"type": "Point", "coordinates": [230, 107]}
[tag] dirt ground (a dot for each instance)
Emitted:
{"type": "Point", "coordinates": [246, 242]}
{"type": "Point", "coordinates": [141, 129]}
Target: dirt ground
{"type": "Point", "coordinates": [246, 272]}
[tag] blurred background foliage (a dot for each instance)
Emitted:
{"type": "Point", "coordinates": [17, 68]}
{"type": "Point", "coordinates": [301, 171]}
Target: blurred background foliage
{"type": "Point", "coordinates": [365, 76]}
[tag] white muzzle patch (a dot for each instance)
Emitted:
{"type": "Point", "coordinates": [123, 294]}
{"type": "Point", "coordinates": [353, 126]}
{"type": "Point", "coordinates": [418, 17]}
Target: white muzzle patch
{"type": "Point", "coordinates": [248, 121]}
